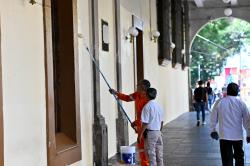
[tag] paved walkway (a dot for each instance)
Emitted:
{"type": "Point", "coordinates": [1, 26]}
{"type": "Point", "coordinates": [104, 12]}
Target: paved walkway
{"type": "Point", "coordinates": [185, 144]}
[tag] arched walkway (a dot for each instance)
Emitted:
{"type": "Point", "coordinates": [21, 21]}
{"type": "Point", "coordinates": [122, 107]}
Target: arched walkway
{"type": "Point", "coordinates": [185, 144]}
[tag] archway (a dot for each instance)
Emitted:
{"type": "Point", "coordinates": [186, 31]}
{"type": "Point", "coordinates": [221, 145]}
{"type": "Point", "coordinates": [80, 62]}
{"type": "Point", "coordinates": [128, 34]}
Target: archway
{"type": "Point", "coordinates": [217, 53]}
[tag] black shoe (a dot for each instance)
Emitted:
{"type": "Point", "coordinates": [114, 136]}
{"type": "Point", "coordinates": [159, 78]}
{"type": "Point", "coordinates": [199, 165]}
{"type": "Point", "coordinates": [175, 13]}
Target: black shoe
{"type": "Point", "coordinates": [198, 123]}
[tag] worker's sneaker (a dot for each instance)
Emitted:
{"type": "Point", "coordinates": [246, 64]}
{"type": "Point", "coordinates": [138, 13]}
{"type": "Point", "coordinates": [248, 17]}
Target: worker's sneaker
{"type": "Point", "coordinates": [198, 123]}
{"type": "Point", "coordinates": [204, 122]}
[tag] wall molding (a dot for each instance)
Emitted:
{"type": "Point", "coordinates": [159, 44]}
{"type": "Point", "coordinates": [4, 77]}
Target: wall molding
{"type": "Point", "coordinates": [1, 105]}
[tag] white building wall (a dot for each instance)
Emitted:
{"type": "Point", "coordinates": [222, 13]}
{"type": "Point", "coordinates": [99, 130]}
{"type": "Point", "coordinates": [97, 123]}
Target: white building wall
{"type": "Point", "coordinates": [24, 106]}
{"type": "Point", "coordinates": [24, 78]}
{"type": "Point", "coordinates": [127, 62]}
{"type": "Point", "coordinates": [166, 80]}
{"type": "Point", "coordinates": [107, 62]}
{"type": "Point", "coordinates": [171, 84]}
{"type": "Point", "coordinates": [86, 81]}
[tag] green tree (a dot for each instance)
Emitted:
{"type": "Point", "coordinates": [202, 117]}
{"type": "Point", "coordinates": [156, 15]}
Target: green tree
{"type": "Point", "coordinates": [212, 45]}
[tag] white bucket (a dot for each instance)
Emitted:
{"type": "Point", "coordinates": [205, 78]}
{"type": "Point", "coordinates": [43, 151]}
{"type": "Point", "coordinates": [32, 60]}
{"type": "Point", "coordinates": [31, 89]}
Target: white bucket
{"type": "Point", "coordinates": [128, 154]}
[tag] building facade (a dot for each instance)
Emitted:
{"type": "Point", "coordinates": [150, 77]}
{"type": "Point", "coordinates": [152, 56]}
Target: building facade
{"type": "Point", "coordinates": [55, 106]}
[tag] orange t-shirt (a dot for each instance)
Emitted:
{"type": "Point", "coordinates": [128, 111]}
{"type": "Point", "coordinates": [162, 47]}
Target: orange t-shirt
{"type": "Point", "coordinates": [140, 102]}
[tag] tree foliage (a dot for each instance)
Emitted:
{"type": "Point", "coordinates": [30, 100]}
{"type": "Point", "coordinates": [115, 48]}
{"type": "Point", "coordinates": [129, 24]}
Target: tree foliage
{"type": "Point", "coordinates": [212, 45]}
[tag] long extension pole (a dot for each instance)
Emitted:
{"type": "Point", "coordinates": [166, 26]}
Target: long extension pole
{"type": "Point", "coordinates": [98, 68]}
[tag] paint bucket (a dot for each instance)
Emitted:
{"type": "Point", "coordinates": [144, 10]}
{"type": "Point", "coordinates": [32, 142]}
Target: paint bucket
{"type": "Point", "coordinates": [128, 154]}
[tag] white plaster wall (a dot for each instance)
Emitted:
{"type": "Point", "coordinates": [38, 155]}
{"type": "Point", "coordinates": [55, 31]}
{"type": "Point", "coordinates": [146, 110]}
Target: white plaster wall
{"type": "Point", "coordinates": [127, 62]}
{"type": "Point", "coordinates": [23, 83]}
{"type": "Point", "coordinates": [86, 81]}
{"type": "Point", "coordinates": [107, 64]}
{"type": "Point", "coordinates": [24, 78]}
{"type": "Point", "coordinates": [171, 84]}
{"type": "Point", "coordinates": [173, 97]}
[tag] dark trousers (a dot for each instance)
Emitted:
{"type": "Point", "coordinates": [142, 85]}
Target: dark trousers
{"type": "Point", "coordinates": [200, 107]}
{"type": "Point", "coordinates": [230, 150]}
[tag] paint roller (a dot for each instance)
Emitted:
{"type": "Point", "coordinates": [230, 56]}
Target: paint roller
{"type": "Point", "coordinates": [104, 78]}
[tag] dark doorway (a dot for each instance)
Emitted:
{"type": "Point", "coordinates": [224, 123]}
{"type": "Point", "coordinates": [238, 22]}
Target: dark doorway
{"type": "Point", "coordinates": [139, 56]}
{"type": "Point", "coordinates": [138, 50]}
{"type": "Point", "coordinates": [64, 73]}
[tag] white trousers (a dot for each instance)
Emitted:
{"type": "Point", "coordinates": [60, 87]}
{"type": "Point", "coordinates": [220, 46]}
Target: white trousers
{"type": "Point", "coordinates": [154, 148]}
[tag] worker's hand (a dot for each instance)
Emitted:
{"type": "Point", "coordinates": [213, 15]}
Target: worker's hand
{"type": "Point", "coordinates": [113, 92]}
{"type": "Point", "coordinates": [134, 125]}
{"type": "Point", "coordinates": [214, 135]}
{"type": "Point", "coordinates": [248, 139]}
{"type": "Point", "coordinates": [139, 138]}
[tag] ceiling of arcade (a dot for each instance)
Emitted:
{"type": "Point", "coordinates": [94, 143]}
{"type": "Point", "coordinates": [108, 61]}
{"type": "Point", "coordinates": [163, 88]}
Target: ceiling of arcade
{"type": "Point", "coordinates": [203, 11]}
{"type": "Point", "coordinates": [219, 3]}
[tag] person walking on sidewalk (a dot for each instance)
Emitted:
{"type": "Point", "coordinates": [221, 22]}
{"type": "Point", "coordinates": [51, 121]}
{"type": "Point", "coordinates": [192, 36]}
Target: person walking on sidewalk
{"type": "Point", "coordinates": [140, 101]}
{"type": "Point", "coordinates": [200, 101]}
{"type": "Point", "coordinates": [152, 121]}
{"type": "Point", "coordinates": [210, 95]}
{"type": "Point", "coordinates": [231, 113]}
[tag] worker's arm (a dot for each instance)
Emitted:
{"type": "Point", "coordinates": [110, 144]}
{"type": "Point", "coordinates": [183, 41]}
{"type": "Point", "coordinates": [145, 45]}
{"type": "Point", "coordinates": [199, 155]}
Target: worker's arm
{"type": "Point", "coordinates": [125, 97]}
{"type": "Point", "coordinates": [122, 96]}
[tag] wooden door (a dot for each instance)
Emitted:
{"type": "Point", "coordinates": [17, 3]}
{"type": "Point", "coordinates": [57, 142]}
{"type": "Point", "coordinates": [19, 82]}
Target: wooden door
{"type": "Point", "coordinates": [139, 56]}
{"type": "Point", "coordinates": [138, 48]}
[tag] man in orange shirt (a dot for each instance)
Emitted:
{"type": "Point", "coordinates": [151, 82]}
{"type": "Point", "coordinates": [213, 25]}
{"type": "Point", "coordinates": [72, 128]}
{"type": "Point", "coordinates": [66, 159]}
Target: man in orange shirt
{"type": "Point", "coordinates": [140, 101]}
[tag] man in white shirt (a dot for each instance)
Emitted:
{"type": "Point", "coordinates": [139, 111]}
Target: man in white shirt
{"type": "Point", "coordinates": [230, 112]}
{"type": "Point", "coordinates": [152, 119]}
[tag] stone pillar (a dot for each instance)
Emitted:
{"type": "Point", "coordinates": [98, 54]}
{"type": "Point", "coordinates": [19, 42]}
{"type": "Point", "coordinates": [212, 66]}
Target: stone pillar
{"type": "Point", "coordinates": [121, 131]}
{"type": "Point", "coordinates": [187, 51]}
{"type": "Point", "coordinates": [187, 37]}
{"type": "Point", "coordinates": [176, 13]}
{"type": "Point", "coordinates": [164, 41]}
{"type": "Point", "coordinates": [100, 130]}
{"type": "Point", "coordinates": [100, 137]}
{"type": "Point", "coordinates": [121, 121]}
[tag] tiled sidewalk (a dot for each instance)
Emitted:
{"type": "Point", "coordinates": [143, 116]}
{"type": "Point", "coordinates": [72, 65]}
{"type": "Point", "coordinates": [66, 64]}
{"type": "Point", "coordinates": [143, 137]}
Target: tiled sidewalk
{"type": "Point", "coordinates": [185, 144]}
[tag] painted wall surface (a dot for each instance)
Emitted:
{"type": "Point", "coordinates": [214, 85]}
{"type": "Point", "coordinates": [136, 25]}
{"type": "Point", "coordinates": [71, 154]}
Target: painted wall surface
{"type": "Point", "coordinates": [86, 81]}
{"type": "Point", "coordinates": [107, 62]}
{"type": "Point", "coordinates": [24, 78]}
{"type": "Point", "coordinates": [127, 62]}
{"type": "Point", "coordinates": [172, 96]}
{"type": "Point", "coordinates": [24, 104]}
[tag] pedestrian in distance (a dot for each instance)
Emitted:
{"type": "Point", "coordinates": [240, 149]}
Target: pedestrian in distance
{"type": "Point", "coordinates": [152, 121]}
{"type": "Point", "coordinates": [210, 95]}
{"type": "Point", "coordinates": [200, 102]}
{"type": "Point", "coordinates": [231, 113]}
